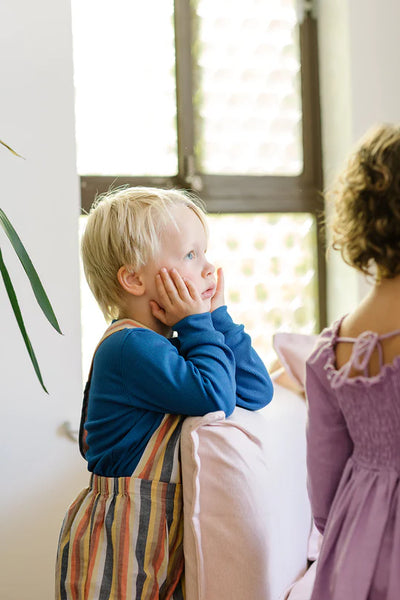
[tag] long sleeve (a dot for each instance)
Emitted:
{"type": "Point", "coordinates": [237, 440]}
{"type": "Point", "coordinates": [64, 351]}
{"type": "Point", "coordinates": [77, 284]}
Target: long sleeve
{"type": "Point", "coordinates": [254, 388]}
{"type": "Point", "coordinates": [194, 379]}
{"type": "Point", "coordinates": [328, 443]}
{"type": "Point", "coordinates": [138, 376]}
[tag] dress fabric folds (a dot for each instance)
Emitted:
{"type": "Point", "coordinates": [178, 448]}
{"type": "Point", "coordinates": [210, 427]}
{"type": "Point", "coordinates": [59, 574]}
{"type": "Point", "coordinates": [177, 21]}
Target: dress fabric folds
{"type": "Point", "coordinates": [353, 457]}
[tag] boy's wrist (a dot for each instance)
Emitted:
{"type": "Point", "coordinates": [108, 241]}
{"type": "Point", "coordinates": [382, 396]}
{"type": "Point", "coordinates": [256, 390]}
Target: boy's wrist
{"type": "Point", "coordinates": [220, 311]}
{"type": "Point", "coordinates": [196, 320]}
{"type": "Point", "coordinates": [214, 308]}
{"type": "Point", "coordinates": [222, 320]}
{"type": "Point", "coordinates": [198, 330]}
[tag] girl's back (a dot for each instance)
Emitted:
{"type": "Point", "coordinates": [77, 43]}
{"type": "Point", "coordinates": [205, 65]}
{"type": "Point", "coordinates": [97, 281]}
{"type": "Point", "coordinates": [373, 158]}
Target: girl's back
{"type": "Point", "coordinates": [377, 313]}
{"type": "Point", "coordinates": [353, 389]}
{"type": "Point", "coordinates": [366, 379]}
{"type": "Point", "coordinates": [354, 451]}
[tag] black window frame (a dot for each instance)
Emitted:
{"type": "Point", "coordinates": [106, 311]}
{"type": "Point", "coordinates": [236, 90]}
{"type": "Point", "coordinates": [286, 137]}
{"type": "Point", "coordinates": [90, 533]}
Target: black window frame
{"type": "Point", "coordinates": [242, 193]}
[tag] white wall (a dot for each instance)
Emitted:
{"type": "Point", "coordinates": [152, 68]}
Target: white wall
{"type": "Point", "coordinates": [40, 470]}
{"type": "Point", "coordinates": [359, 48]}
{"type": "Point", "coordinates": [336, 116]}
{"type": "Point", "coordinates": [375, 50]}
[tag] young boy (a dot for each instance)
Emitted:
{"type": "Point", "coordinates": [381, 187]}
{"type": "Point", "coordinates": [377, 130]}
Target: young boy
{"type": "Point", "coordinates": [144, 254]}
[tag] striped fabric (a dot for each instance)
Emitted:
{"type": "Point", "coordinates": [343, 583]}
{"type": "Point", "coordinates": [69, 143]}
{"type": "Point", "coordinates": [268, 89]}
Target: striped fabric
{"type": "Point", "coordinates": [121, 539]}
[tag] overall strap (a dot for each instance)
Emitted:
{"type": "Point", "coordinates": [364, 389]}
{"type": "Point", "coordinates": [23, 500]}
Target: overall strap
{"type": "Point", "coordinates": [113, 328]}
{"type": "Point", "coordinates": [159, 463]}
{"type": "Point", "coordinates": [160, 460]}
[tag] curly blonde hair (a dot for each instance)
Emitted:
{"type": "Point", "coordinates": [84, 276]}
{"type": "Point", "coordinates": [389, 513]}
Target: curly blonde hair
{"type": "Point", "coordinates": [366, 226]}
{"type": "Point", "coordinates": [123, 228]}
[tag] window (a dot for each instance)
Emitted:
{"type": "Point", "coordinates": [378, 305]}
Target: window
{"type": "Point", "coordinates": [220, 97]}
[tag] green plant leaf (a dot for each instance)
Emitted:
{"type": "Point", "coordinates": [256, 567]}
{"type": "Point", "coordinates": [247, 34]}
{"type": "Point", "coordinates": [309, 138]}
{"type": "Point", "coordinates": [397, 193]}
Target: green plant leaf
{"type": "Point", "coordinates": [33, 277]}
{"type": "Point", "coordinates": [10, 149]}
{"type": "Point", "coordinates": [17, 312]}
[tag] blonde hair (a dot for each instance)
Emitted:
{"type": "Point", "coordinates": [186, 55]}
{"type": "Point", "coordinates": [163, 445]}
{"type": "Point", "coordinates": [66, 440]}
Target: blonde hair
{"type": "Point", "coordinates": [366, 227]}
{"type": "Point", "coordinates": [123, 228]}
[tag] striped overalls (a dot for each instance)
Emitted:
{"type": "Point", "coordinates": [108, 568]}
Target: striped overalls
{"type": "Point", "coordinates": [121, 539]}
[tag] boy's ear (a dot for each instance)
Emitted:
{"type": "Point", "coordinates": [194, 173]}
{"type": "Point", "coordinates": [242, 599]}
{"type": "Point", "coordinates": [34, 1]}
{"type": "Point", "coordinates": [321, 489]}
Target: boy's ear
{"type": "Point", "coordinates": [130, 281]}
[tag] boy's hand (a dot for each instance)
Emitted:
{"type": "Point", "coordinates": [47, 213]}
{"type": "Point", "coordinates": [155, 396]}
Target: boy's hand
{"type": "Point", "coordinates": [219, 298]}
{"type": "Point", "coordinates": [178, 298]}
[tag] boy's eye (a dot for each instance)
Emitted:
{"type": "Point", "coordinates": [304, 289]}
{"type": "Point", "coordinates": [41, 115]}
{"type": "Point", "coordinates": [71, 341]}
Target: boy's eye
{"type": "Point", "coordinates": [190, 255]}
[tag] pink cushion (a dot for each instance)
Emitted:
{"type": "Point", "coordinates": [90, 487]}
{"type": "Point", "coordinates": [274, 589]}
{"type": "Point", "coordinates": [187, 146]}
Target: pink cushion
{"type": "Point", "coordinates": [292, 350]}
{"type": "Point", "coordinates": [246, 512]}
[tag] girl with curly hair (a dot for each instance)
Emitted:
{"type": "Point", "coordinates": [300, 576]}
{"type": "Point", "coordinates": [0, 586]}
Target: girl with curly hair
{"type": "Point", "coordinates": [353, 390]}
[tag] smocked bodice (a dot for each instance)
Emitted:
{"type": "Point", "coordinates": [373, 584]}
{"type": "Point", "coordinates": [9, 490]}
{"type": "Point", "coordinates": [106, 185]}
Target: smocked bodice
{"type": "Point", "coordinates": [370, 405]}
{"type": "Point", "coordinates": [372, 414]}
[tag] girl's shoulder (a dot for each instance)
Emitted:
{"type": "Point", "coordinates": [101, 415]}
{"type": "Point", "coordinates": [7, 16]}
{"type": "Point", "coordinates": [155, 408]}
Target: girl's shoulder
{"type": "Point", "coordinates": [363, 359]}
{"type": "Point", "coordinates": [324, 348]}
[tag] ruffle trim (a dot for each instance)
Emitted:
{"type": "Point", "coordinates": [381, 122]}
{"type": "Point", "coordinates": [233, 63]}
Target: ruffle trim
{"type": "Point", "coordinates": [326, 350]}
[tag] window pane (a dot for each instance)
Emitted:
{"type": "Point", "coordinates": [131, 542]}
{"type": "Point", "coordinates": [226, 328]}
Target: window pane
{"type": "Point", "coordinates": [124, 60]}
{"type": "Point", "coordinates": [270, 268]}
{"type": "Point", "coordinates": [269, 262]}
{"type": "Point", "coordinates": [247, 92]}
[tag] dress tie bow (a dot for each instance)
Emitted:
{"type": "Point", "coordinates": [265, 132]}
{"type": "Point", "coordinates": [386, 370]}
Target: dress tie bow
{"type": "Point", "coordinates": [363, 348]}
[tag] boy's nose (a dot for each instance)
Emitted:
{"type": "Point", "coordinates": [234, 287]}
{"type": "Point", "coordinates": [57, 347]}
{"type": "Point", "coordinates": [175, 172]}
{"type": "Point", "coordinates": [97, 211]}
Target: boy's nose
{"type": "Point", "coordinates": [209, 269]}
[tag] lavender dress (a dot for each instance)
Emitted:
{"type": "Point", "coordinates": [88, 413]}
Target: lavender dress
{"type": "Point", "coordinates": [353, 460]}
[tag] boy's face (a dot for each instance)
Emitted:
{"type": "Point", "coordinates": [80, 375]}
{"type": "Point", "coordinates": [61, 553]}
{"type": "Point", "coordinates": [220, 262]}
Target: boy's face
{"type": "Point", "coordinates": [185, 250]}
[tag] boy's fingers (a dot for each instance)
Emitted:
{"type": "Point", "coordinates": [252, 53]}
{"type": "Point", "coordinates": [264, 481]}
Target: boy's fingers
{"type": "Point", "coordinates": [162, 292]}
{"type": "Point", "coordinates": [218, 299]}
{"type": "Point", "coordinates": [155, 307]}
{"type": "Point", "coordinates": [180, 284]}
{"type": "Point", "coordinates": [220, 281]}
{"type": "Point", "coordinates": [158, 312]}
{"type": "Point", "coordinates": [165, 286]}
{"type": "Point", "coordinates": [194, 294]}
